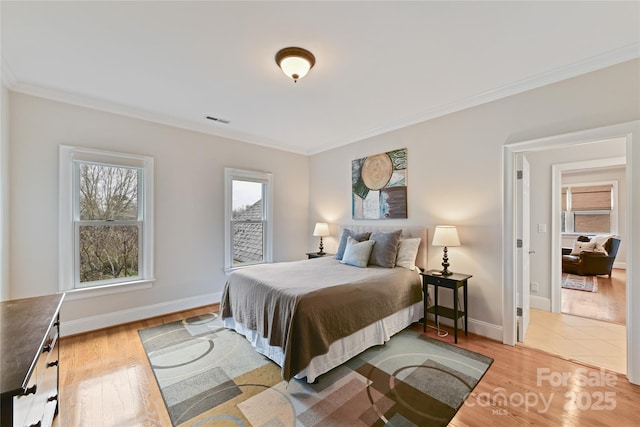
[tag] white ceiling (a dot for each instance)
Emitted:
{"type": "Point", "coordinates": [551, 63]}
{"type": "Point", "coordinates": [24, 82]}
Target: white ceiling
{"type": "Point", "coordinates": [379, 65]}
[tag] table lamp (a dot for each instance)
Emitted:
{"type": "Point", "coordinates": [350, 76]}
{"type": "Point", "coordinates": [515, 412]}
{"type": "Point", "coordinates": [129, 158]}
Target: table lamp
{"type": "Point", "coordinates": [446, 236]}
{"type": "Point", "coordinates": [321, 229]}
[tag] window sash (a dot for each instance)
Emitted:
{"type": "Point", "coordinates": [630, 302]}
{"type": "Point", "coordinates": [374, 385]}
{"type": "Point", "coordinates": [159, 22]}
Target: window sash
{"type": "Point", "coordinates": [236, 262]}
{"type": "Point", "coordinates": [77, 164]}
{"type": "Point", "coordinates": [78, 283]}
{"type": "Point", "coordinates": [78, 223]}
{"type": "Point", "coordinates": [592, 222]}
{"type": "Point", "coordinates": [265, 179]}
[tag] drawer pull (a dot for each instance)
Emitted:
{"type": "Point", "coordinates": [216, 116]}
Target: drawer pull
{"type": "Point", "coordinates": [38, 424]}
{"type": "Point", "coordinates": [52, 364]}
{"type": "Point", "coordinates": [52, 398]}
{"type": "Point", "coordinates": [30, 390]}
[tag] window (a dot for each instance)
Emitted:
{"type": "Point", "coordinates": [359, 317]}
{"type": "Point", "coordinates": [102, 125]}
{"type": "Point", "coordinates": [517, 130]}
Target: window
{"type": "Point", "coordinates": [248, 219]}
{"type": "Point", "coordinates": [589, 208]}
{"type": "Point", "coordinates": [106, 213]}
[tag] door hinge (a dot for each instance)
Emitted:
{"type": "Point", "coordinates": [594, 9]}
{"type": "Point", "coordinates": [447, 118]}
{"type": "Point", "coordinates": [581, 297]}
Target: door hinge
{"type": "Point", "coordinates": [518, 243]}
{"type": "Point", "coordinates": [519, 311]}
{"type": "Point", "coordinates": [519, 175]}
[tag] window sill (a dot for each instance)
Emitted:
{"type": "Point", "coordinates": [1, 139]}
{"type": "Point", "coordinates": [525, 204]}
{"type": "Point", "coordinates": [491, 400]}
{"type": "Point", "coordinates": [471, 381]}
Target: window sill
{"type": "Point", "coordinates": [96, 291]}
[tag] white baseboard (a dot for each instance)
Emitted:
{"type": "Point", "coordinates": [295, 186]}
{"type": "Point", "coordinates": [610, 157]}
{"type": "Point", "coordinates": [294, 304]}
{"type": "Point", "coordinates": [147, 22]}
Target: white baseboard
{"type": "Point", "coordinates": [620, 265]}
{"type": "Point", "coordinates": [78, 326]}
{"type": "Point", "coordinates": [477, 327]}
{"type": "Point", "coordinates": [485, 329]}
{"type": "Point", "coordinates": [540, 303]}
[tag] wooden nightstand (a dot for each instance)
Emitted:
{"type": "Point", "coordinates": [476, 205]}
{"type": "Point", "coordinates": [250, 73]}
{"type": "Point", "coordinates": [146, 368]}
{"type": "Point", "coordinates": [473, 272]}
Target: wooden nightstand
{"type": "Point", "coordinates": [453, 282]}
{"type": "Point", "coordinates": [312, 255]}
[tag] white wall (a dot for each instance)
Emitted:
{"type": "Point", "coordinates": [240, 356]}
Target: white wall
{"type": "Point", "coordinates": [541, 163]}
{"type": "Point", "coordinates": [4, 193]}
{"type": "Point", "coordinates": [455, 170]}
{"type": "Point", "coordinates": [189, 206]}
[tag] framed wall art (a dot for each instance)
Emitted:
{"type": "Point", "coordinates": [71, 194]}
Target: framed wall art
{"type": "Point", "coordinates": [379, 186]}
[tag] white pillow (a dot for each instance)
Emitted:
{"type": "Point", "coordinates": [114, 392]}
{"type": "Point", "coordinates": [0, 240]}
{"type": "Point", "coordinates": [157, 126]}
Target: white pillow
{"type": "Point", "coordinates": [600, 241]}
{"type": "Point", "coordinates": [357, 253]}
{"type": "Point", "coordinates": [407, 253]}
{"type": "Point", "coordinates": [579, 247]}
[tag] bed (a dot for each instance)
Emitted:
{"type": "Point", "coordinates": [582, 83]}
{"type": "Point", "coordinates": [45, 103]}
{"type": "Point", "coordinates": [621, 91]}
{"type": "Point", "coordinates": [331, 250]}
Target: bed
{"type": "Point", "coordinates": [313, 315]}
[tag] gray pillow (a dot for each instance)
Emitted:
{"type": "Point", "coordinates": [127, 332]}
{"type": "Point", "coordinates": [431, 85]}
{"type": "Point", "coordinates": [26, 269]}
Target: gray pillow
{"type": "Point", "coordinates": [357, 253]}
{"type": "Point", "coordinates": [343, 240]}
{"type": "Point", "coordinates": [386, 248]}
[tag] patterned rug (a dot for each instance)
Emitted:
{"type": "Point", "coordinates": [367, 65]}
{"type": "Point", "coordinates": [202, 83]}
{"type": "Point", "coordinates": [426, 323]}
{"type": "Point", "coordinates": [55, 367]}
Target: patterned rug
{"type": "Point", "coordinates": [209, 376]}
{"type": "Point", "coordinates": [580, 283]}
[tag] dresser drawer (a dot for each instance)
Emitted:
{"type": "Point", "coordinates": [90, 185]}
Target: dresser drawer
{"type": "Point", "coordinates": [22, 403]}
{"type": "Point", "coordinates": [440, 281]}
{"type": "Point", "coordinates": [29, 360]}
{"type": "Point", "coordinates": [36, 407]}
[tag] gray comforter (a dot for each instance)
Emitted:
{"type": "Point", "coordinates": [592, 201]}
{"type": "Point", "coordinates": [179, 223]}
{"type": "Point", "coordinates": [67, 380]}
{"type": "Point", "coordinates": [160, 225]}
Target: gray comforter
{"type": "Point", "coordinates": [304, 306]}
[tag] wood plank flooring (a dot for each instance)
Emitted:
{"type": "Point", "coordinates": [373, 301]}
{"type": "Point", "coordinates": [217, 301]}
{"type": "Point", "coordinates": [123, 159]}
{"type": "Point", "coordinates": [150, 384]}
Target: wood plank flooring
{"type": "Point", "coordinates": [579, 338]}
{"type": "Point", "coordinates": [106, 380]}
{"type": "Point", "coordinates": [608, 304]}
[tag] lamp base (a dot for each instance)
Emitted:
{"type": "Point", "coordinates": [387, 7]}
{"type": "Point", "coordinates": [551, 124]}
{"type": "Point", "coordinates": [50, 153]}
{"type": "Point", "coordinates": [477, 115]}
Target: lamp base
{"type": "Point", "coordinates": [321, 251]}
{"type": "Point", "coordinates": [445, 263]}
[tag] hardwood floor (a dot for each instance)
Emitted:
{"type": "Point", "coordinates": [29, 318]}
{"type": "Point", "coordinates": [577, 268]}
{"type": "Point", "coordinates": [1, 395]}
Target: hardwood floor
{"type": "Point", "coordinates": [106, 380]}
{"type": "Point", "coordinates": [608, 304]}
{"type": "Point", "coordinates": [579, 338]}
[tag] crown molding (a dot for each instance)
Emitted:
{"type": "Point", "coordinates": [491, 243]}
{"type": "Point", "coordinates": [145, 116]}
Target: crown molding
{"type": "Point", "coordinates": [110, 107]}
{"type": "Point", "coordinates": [594, 63]}
{"type": "Point", "coordinates": [607, 59]}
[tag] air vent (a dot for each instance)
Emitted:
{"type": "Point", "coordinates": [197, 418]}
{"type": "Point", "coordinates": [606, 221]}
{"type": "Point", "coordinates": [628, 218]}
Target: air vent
{"type": "Point", "coordinates": [218, 119]}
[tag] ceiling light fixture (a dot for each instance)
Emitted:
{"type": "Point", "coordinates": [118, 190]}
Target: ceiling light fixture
{"type": "Point", "coordinates": [295, 62]}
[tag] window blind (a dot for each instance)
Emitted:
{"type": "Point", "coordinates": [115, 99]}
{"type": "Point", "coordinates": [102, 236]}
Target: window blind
{"type": "Point", "coordinates": [590, 198]}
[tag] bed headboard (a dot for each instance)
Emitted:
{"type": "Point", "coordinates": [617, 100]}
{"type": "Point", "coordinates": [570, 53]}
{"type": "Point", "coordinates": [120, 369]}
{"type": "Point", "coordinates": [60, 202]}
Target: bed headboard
{"type": "Point", "coordinates": [407, 232]}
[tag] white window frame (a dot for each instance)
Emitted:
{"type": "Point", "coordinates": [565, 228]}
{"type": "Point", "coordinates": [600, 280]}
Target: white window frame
{"type": "Point", "coordinates": [569, 213]}
{"type": "Point", "coordinates": [69, 221]}
{"type": "Point", "coordinates": [265, 178]}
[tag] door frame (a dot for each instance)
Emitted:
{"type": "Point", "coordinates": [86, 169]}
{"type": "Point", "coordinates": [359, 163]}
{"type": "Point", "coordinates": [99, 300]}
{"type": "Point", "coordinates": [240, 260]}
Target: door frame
{"type": "Point", "coordinates": [627, 130]}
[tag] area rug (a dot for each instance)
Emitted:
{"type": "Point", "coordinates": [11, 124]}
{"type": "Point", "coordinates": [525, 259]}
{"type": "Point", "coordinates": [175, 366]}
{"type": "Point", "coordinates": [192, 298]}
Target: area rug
{"type": "Point", "coordinates": [209, 375]}
{"type": "Point", "coordinates": [580, 283]}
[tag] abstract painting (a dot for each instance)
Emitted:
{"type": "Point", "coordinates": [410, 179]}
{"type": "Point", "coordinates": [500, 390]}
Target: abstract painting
{"type": "Point", "coordinates": [379, 186]}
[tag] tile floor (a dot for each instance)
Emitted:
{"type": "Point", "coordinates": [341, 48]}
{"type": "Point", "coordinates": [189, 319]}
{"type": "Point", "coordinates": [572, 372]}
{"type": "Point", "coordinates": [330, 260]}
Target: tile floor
{"type": "Point", "coordinates": [591, 341]}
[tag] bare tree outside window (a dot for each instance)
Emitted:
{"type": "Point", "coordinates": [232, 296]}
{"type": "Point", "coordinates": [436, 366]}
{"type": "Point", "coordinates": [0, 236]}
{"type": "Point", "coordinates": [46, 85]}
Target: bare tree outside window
{"type": "Point", "coordinates": [109, 227]}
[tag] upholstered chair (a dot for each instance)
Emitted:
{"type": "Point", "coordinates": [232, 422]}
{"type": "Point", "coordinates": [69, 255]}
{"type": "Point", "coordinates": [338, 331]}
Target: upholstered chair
{"type": "Point", "coordinates": [589, 262]}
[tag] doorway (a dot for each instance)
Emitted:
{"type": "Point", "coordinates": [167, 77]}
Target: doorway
{"type": "Point", "coordinates": [577, 140]}
{"type": "Point", "coordinates": [584, 186]}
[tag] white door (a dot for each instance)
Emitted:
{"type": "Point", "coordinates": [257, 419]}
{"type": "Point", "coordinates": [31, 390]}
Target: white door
{"type": "Point", "coordinates": [522, 247]}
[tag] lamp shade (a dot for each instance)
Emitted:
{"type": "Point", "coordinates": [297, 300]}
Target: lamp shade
{"type": "Point", "coordinates": [446, 235]}
{"type": "Point", "coordinates": [321, 229]}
